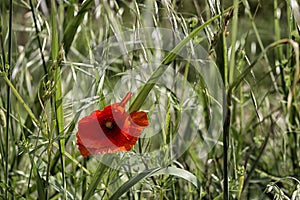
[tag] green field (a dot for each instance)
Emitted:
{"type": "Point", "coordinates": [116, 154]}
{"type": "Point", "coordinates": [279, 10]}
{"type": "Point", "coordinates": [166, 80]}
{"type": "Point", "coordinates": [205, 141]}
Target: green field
{"type": "Point", "coordinates": [213, 112]}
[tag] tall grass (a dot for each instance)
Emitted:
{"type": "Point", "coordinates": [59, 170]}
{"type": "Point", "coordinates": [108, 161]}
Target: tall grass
{"type": "Point", "coordinates": [56, 67]}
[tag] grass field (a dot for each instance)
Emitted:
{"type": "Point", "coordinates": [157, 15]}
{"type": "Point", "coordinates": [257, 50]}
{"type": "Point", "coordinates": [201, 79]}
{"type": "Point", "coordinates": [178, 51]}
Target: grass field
{"type": "Point", "coordinates": [219, 81]}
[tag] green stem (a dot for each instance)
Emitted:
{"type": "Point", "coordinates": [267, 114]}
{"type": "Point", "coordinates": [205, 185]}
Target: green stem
{"type": "Point", "coordinates": [38, 39]}
{"type": "Point", "coordinates": [227, 109]}
{"type": "Point", "coordinates": [279, 51]}
{"type": "Point", "coordinates": [226, 129]}
{"type": "Point", "coordinates": [233, 39]}
{"type": "Point", "coordinates": [20, 99]}
{"type": "Point", "coordinates": [8, 98]}
{"type": "Point", "coordinates": [223, 64]}
{"type": "Point", "coordinates": [60, 123]}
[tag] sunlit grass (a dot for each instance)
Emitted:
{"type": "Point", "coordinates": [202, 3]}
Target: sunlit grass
{"type": "Point", "coordinates": [62, 61]}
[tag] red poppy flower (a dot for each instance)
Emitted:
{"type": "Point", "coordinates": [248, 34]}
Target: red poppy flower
{"type": "Point", "coordinates": [110, 130]}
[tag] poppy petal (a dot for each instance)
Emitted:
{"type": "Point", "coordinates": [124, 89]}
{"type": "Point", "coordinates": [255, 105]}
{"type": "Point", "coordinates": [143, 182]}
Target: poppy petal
{"type": "Point", "coordinates": [92, 139]}
{"type": "Point", "coordinates": [83, 151]}
{"type": "Point", "coordinates": [140, 118]}
{"type": "Point", "coordinates": [110, 130]}
{"type": "Point", "coordinates": [135, 124]}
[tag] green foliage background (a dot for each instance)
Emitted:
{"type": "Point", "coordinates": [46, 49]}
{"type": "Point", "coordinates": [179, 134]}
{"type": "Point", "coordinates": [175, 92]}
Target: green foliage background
{"type": "Point", "coordinates": [46, 45]}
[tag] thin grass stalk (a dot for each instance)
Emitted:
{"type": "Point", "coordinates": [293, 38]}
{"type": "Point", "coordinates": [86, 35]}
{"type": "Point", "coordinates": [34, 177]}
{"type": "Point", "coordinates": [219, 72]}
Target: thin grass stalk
{"type": "Point", "coordinates": [228, 108]}
{"type": "Point", "coordinates": [207, 30]}
{"type": "Point", "coordinates": [233, 40]}
{"type": "Point", "coordinates": [292, 93]}
{"type": "Point", "coordinates": [54, 160]}
{"type": "Point", "coordinates": [261, 151]}
{"type": "Point", "coordinates": [223, 64]}
{"type": "Point", "coordinates": [59, 124]}
{"type": "Point", "coordinates": [279, 51]}
{"type": "Point", "coordinates": [57, 57]}
{"type": "Point", "coordinates": [293, 110]}
{"type": "Point", "coordinates": [21, 100]}
{"type": "Point", "coordinates": [54, 57]}
{"type": "Point", "coordinates": [2, 148]}
{"type": "Point", "coordinates": [2, 45]}
{"type": "Point", "coordinates": [142, 95]}
{"type": "Point", "coordinates": [2, 153]}
{"type": "Point", "coordinates": [291, 27]}
{"type": "Point", "coordinates": [36, 106]}
{"type": "Point", "coordinates": [37, 31]}
{"type": "Point", "coordinates": [84, 180]}
{"type": "Point", "coordinates": [226, 129]}
{"type": "Point", "coordinates": [248, 69]}
{"type": "Point", "coordinates": [259, 40]}
{"type": "Point", "coordinates": [8, 90]}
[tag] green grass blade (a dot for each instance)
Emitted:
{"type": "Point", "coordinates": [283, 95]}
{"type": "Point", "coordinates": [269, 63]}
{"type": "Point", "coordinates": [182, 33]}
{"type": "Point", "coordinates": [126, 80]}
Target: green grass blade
{"type": "Point", "coordinates": [247, 70]}
{"type": "Point", "coordinates": [126, 186]}
{"type": "Point", "coordinates": [100, 171]}
{"type": "Point", "coordinates": [57, 59]}
{"type": "Point", "coordinates": [60, 120]}
{"type": "Point", "coordinates": [40, 183]}
{"type": "Point", "coordinates": [222, 63]}
{"type": "Point", "coordinates": [73, 160]}
{"type": "Point", "coordinates": [279, 50]}
{"type": "Point", "coordinates": [21, 100]}
{"type": "Point", "coordinates": [73, 25]}
{"type": "Point", "coordinates": [8, 91]}
{"type": "Point", "coordinates": [53, 168]}
{"type": "Point", "coordinates": [142, 95]}
{"type": "Point", "coordinates": [54, 40]}
{"type": "Point", "coordinates": [260, 42]}
{"type": "Point", "coordinates": [181, 173]}
{"type": "Point", "coordinates": [233, 40]}
{"type": "Point", "coordinates": [37, 31]}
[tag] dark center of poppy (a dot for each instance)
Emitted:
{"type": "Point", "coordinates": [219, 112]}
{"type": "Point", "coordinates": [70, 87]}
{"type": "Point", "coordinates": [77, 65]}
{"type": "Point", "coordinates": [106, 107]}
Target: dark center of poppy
{"type": "Point", "coordinates": [109, 124]}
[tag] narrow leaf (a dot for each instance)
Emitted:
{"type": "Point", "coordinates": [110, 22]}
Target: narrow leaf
{"type": "Point", "coordinates": [102, 168]}
{"type": "Point", "coordinates": [74, 24]}
{"type": "Point", "coordinates": [181, 173]}
{"type": "Point", "coordinates": [142, 95]}
{"type": "Point", "coordinates": [54, 39]}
